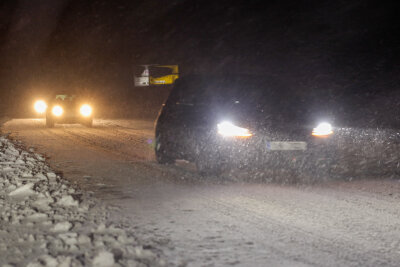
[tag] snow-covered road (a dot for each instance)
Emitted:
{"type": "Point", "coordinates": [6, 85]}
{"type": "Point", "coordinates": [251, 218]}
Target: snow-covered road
{"type": "Point", "coordinates": [214, 223]}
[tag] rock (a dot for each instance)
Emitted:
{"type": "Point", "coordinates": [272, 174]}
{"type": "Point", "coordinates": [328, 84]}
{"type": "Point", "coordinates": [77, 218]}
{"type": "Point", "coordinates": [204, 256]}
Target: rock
{"type": "Point", "coordinates": [69, 238]}
{"type": "Point", "coordinates": [103, 259]}
{"type": "Point", "coordinates": [84, 239]}
{"type": "Point", "coordinates": [122, 239]}
{"type": "Point", "coordinates": [30, 159]}
{"type": "Point", "coordinates": [19, 162]}
{"type": "Point", "coordinates": [47, 223]}
{"type": "Point", "coordinates": [23, 191]}
{"type": "Point", "coordinates": [39, 157]}
{"type": "Point", "coordinates": [49, 260]}
{"type": "Point", "coordinates": [27, 175]}
{"type": "Point", "coordinates": [37, 217]}
{"type": "Point", "coordinates": [51, 175]}
{"type": "Point", "coordinates": [40, 176]}
{"type": "Point", "coordinates": [72, 248]}
{"type": "Point", "coordinates": [58, 217]}
{"type": "Point", "coordinates": [144, 254]}
{"type": "Point", "coordinates": [133, 263]}
{"type": "Point", "coordinates": [113, 229]}
{"type": "Point", "coordinates": [62, 227]}
{"type": "Point", "coordinates": [98, 243]}
{"type": "Point", "coordinates": [42, 203]}
{"type": "Point", "coordinates": [12, 151]}
{"type": "Point", "coordinates": [67, 201]}
{"type": "Point", "coordinates": [31, 238]}
{"type": "Point", "coordinates": [64, 261]}
{"type": "Point", "coordinates": [6, 169]}
{"type": "Point", "coordinates": [11, 187]}
{"type": "Point", "coordinates": [101, 228]}
{"type": "Point", "coordinates": [83, 208]}
{"type": "Point", "coordinates": [30, 165]}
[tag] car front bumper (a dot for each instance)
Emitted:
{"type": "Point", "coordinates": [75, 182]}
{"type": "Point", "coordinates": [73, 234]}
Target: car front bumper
{"type": "Point", "coordinates": [349, 148]}
{"type": "Point", "coordinates": [69, 118]}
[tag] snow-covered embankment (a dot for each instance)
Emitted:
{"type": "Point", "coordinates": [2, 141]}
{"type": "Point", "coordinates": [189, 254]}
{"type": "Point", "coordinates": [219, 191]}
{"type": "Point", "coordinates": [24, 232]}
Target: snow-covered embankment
{"type": "Point", "coordinates": [46, 222]}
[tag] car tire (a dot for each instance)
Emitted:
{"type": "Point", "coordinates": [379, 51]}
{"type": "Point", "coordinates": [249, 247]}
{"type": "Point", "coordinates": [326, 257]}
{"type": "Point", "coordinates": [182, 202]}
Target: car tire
{"type": "Point", "coordinates": [208, 163]}
{"type": "Point", "coordinates": [88, 123]}
{"type": "Point", "coordinates": [49, 123]}
{"type": "Point", "coordinates": [162, 151]}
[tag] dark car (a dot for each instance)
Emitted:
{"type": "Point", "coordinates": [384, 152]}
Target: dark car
{"type": "Point", "coordinates": [69, 109]}
{"type": "Point", "coordinates": [248, 121]}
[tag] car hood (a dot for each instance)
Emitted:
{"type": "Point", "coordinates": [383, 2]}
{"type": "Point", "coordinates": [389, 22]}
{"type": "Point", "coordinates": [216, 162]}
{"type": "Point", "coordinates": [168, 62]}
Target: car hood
{"type": "Point", "coordinates": [273, 117]}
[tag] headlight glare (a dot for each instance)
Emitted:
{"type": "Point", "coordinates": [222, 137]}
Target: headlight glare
{"type": "Point", "coordinates": [40, 106]}
{"type": "Point", "coordinates": [323, 129]}
{"type": "Point", "coordinates": [86, 110]}
{"type": "Point", "coordinates": [57, 111]}
{"type": "Point", "coordinates": [228, 129]}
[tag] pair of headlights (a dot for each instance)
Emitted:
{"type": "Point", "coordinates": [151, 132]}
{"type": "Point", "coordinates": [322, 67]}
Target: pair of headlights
{"type": "Point", "coordinates": [85, 110]}
{"type": "Point", "coordinates": [41, 107]}
{"type": "Point", "coordinates": [228, 129]}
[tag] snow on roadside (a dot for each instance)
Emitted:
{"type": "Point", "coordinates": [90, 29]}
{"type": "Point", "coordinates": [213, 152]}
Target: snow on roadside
{"type": "Point", "coordinates": [46, 222]}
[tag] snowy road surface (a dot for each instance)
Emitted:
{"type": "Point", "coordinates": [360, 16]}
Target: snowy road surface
{"type": "Point", "coordinates": [211, 223]}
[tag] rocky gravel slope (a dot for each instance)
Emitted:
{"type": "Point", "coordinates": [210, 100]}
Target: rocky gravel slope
{"type": "Point", "coordinates": [45, 221]}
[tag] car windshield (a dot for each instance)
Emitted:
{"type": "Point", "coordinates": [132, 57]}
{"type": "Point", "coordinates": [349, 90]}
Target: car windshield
{"type": "Point", "coordinates": [65, 97]}
{"type": "Point", "coordinates": [224, 90]}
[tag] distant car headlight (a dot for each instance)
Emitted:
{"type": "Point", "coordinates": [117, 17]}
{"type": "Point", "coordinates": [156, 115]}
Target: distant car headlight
{"type": "Point", "coordinates": [40, 106]}
{"type": "Point", "coordinates": [228, 129]}
{"type": "Point", "coordinates": [323, 129]}
{"type": "Point", "coordinates": [86, 110]}
{"type": "Point", "coordinates": [57, 111]}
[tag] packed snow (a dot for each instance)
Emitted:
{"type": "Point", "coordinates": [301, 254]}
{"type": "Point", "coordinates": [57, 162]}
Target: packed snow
{"type": "Point", "coordinates": [46, 222]}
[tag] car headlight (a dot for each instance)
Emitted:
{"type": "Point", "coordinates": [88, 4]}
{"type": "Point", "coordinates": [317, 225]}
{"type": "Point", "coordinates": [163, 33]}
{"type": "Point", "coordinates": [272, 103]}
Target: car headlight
{"type": "Point", "coordinates": [323, 129]}
{"type": "Point", "coordinates": [86, 110]}
{"type": "Point", "coordinates": [228, 129]}
{"type": "Point", "coordinates": [40, 106]}
{"type": "Point", "coordinates": [57, 111]}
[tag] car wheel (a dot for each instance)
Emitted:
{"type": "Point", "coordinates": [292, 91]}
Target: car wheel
{"type": "Point", "coordinates": [49, 123]}
{"type": "Point", "coordinates": [88, 123]}
{"type": "Point", "coordinates": [208, 163]}
{"type": "Point", "coordinates": [162, 151]}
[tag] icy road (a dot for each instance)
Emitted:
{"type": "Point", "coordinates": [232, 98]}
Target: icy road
{"type": "Point", "coordinates": [213, 223]}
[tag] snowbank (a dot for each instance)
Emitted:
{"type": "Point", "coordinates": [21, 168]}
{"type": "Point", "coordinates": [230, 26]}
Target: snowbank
{"type": "Point", "coordinates": [46, 222]}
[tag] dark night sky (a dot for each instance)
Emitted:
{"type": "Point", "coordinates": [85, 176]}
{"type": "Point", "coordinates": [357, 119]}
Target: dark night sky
{"type": "Point", "coordinates": [73, 44]}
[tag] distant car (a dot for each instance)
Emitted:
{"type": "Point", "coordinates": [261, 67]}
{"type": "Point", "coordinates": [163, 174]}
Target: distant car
{"type": "Point", "coordinates": [68, 109]}
{"type": "Point", "coordinates": [255, 122]}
